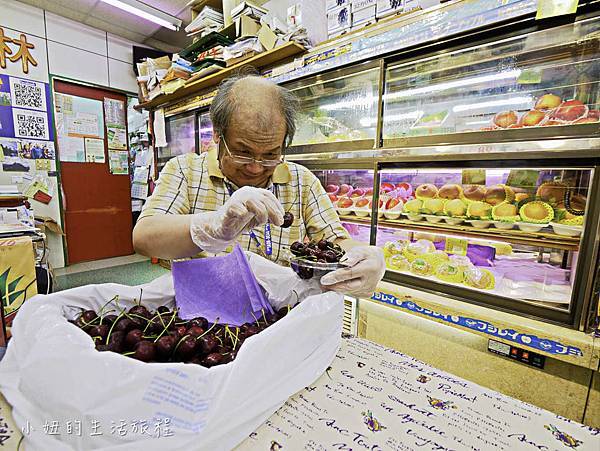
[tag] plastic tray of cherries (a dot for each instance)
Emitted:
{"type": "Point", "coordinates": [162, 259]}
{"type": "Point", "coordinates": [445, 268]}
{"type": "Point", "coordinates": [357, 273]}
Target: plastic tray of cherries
{"type": "Point", "coordinates": [161, 336]}
{"type": "Point", "coordinates": [315, 258]}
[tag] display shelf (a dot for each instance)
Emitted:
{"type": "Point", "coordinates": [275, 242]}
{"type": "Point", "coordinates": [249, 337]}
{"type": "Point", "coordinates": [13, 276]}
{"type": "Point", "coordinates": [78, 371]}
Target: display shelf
{"type": "Point", "coordinates": [261, 60]}
{"type": "Point", "coordinates": [540, 239]}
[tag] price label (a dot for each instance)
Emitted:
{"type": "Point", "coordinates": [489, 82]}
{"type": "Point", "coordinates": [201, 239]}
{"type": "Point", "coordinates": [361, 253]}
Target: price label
{"type": "Point", "coordinates": [456, 246]}
{"type": "Point", "coordinates": [553, 8]}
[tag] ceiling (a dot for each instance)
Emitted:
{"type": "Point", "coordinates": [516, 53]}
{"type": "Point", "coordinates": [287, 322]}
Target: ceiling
{"type": "Point", "coordinates": [98, 14]}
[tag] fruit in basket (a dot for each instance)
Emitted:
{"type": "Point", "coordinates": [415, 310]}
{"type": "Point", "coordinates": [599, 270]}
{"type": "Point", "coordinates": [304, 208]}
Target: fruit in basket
{"type": "Point", "coordinates": [455, 208]}
{"type": "Point", "coordinates": [358, 192]}
{"type": "Point", "coordinates": [551, 122]}
{"type": "Point", "coordinates": [461, 261]}
{"type": "Point", "coordinates": [344, 205]}
{"type": "Point", "coordinates": [418, 248]}
{"type": "Point", "coordinates": [394, 203]}
{"type": "Point", "coordinates": [362, 202]}
{"type": "Point", "coordinates": [413, 206]}
{"type": "Point", "coordinates": [594, 114]}
{"type": "Point", "coordinates": [345, 190]}
{"type": "Point", "coordinates": [405, 186]}
{"type": "Point", "coordinates": [506, 212]}
{"type": "Point", "coordinates": [426, 191]}
{"type": "Point", "coordinates": [479, 278]}
{"type": "Point", "coordinates": [499, 193]}
{"type": "Point", "coordinates": [397, 263]}
{"type": "Point", "coordinates": [532, 118]}
{"type": "Point", "coordinates": [394, 247]}
{"type": "Point", "coordinates": [421, 267]}
{"type": "Point", "coordinates": [450, 272]}
{"type": "Point", "coordinates": [563, 216]}
{"type": "Point", "coordinates": [479, 210]}
{"type": "Point", "coordinates": [537, 212]}
{"type": "Point", "coordinates": [332, 189]}
{"type": "Point", "coordinates": [435, 258]}
{"type": "Point", "coordinates": [450, 191]}
{"type": "Point", "coordinates": [333, 198]}
{"type": "Point", "coordinates": [586, 120]}
{"type": "Point", "coordinates": [474, 193]}
{"type": "Point", "coordinates": [570, 110]}
{"type": "Point", "coordinates": [552, 192]}
{"type": "Point", "coordinates": [433, 206]}
{"type": "Point", "coordinates": [505, 119]}
{"type": "Point", "coordinates": [386, 187]}
{"type": "Point", "coordinates": [548, 102]}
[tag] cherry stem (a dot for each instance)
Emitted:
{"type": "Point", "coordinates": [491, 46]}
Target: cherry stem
{"type": "Point", "coordinates": [255, 319]}
{"type": "Point", "coordinates": [264, 316]}
{"type": "Point", "coordinates": [209, 329]}
{"type": "Point", "coordinates": [113, 325]}
{"type": "Point", "coordinates": [128, 353]}
{"type": "Point", "coordinates": [165, 328]}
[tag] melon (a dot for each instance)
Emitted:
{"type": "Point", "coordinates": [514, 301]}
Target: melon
{"type": "Point", "coordinates": [433, 206]}
{"type": "Point", "coordinates": [450, 191]}
{"type": "Point", "coordinates": [426, 191]}
{"type": "Point", "coordinates": [455, 208]}
{"type": "Point", "coordinates": [562, 216]}
{"type": "Point", "coordinates": [537, 212]}
{"type": "Point", "coordinates": [499, 193]}
{"type": "Point", "coordinates": [413, 206]}
{"type": "Point", "coordinates": [449, 272]}
{"type": "Point", "coordinates": [552, 192]}
{"type": "Point", "coordinates": [505, 212]}
{"type": "Point", "coordinates": [479, 210]}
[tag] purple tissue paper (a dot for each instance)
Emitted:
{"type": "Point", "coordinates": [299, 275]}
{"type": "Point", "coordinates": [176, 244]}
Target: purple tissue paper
{"type": "Point", "coordinates": [221, 289]}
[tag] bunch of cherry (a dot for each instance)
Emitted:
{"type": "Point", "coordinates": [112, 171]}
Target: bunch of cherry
{"type": "Point", "coordinates": [161, 336]}
{"type": "Point", "coordinates": [322, 251]}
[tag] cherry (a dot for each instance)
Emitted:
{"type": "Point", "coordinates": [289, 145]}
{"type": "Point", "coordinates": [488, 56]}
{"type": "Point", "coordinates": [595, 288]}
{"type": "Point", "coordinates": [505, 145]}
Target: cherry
{"type": "Point", "coordinates": [200, 322]}
{"type": "Point", "coordinates": [195, 331]}
{"type": "Point", "coordinates": [305, 272]}
{"type": "Point", "coordinates": [165, 346]}
{"type": "Point", "coordinates": [330, 256]}
{"type": "Point", "coordinates": [109, 319]}
{"type": "Point", "coordinates": [197, 360]}
{"type": "Point", "coordinates": [141, 311]}
{"type": "Point", "coordinates": [123, 325]}
{"type": "Point", "coordinates": [186, 348]}
{"type": "Point", "coordinates": [288, 220]}
{"type": "Point", "coordinates": [212, 360]}
{"type": "Point", "coordinates": [99, 331]}
{"type": "Point", "coordinates": [163, 309]}
{"type": "Point", "coordinates": [323, 245]}
{"type": "Point", "coordinates": [116, 341]}
{"type": "Point", "coordinates": [88, 316]}
{"type": "Point", "coordinates": [208, 343]}
{"type": "Point", "coordinates": [144, 351]}
{"type": "Point", "coordinates": [283, 311]}
{"type": "Point", "coordinates": [133, 337]}
{"type": "Point", "coordinates": [298, 249]}
{"type": "Point", "coordinates": [102, 348]}
{"type": "Point", "coordinates": [251, 330]}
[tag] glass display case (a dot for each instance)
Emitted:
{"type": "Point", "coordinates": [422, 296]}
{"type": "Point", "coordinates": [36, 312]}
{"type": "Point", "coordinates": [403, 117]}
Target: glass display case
{"type": "Point", "coordinates": [205, 130]}
{"type": "Point", "coordinates": [536, 81]}
{"type": "Point", "coordinates": [340, 106]}
{"type": "Point", "coordinates": [181, 138]}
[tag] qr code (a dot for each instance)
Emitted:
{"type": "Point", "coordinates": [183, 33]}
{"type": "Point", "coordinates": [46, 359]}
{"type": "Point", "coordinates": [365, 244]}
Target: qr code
{"type": "Point", "coordinates": [28, 96]}
{"type": "Point", "coordinates": [31, 126]}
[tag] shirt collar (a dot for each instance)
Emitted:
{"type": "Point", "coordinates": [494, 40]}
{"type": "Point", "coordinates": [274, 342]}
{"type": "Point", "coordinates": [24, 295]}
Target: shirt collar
{"type": "Point", "coordinates": [281, 175]}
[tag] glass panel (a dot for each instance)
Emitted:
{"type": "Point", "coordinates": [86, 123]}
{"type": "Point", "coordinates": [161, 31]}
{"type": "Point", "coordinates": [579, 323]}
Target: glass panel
{"type": "Point", "coordinates": [342, 109]}
{"type": "Point", "coordinates": [181, 138]}
{"type": "Point", "coordinates": [206, 132]}
{"type": "Point", "coordinates": [346, 186]}
{"type": "Point", "coordinates": [546, 78]}
{"type": "Point", "coordinates": [512, 232]}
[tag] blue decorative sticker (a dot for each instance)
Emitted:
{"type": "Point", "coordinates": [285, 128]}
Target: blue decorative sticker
{"type": "Point", "coordinates": [531, 341]}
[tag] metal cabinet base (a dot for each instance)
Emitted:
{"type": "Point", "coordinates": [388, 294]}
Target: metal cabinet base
{"type": "Point", "coordinates": [560, 387]}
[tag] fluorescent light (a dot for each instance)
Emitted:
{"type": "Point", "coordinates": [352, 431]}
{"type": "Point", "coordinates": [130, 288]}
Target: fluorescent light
{"type": "Point", "coordinates": [361, 102]}
{"type": "Point", "coordinates": [492, 103]}
{"type": "Point", "coordinates": [454, 84]}
{"type": "Point", "coordinates": [144, 11]}
{"type": "Point", "coordinates": [477, 122]}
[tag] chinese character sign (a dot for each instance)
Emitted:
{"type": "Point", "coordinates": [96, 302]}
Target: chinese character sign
{"type": "Point", "coordinates": [15, 50]}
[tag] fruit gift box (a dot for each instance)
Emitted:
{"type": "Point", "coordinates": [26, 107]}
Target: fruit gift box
{"type": "Point", "coordinates": [52, 369]}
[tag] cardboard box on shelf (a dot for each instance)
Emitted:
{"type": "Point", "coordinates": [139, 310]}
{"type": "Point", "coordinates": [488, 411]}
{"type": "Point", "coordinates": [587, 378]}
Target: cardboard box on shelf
{"type": "Point", "coordinates": [46, 224]}
{"type": "Point", "coordinates": [267, 38]}
{"type": "Point", "coordinates": [246, 26]}
{"type": "Point", "coordinates": [333, 4]}
{"type": "Point", "coordinates": [338, 19]}
{"type": "Point", "coordinates": [363, 16]}
{"type": "Point", "coordinates": [388, 7]}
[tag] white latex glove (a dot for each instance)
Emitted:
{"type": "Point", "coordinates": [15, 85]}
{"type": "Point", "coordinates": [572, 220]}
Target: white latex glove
{"type": "Point", "coordinates": [365, 269]}
{"type": "Point", "coordinates": [248, 207]}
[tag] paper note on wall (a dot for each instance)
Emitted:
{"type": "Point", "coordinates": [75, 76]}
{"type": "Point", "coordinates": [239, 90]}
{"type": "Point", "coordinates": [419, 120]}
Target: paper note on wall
{"type": "Point", "coordinates": [118, 162]}
{"type": "Point", "coordinates": [117, 138]}
{"type": "Point", "coordinates": [94, 150]}
{"type": "Point", "coordinates": [71, 149]}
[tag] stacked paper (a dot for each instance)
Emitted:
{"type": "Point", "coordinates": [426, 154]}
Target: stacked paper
{"type": "Point", "coordinates": [248, 9]}
{"type": "Point", "coordinates": [207, 21]}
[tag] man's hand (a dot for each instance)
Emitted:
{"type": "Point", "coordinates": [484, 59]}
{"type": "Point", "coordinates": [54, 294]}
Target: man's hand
{"type": "Point", "coordinates": [248, 207]}
{"type": "Point", "coordinates": [365, 269]}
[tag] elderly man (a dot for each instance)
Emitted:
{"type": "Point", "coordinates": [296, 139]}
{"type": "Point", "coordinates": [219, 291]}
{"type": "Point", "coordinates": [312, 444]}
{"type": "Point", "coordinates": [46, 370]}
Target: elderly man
{"type": "Point", "coordinates": [240, 194]}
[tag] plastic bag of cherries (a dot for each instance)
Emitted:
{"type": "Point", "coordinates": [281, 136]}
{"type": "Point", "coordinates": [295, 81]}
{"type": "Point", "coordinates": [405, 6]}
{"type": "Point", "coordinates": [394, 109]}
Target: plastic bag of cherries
{"type": "Point", "coordinates": [315, 258]}
{"type": "Point", "coordinates": [162, 336]}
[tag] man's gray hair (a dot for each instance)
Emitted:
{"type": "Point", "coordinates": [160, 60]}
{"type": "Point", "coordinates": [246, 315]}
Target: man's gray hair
{"type": "Point", "coordinates": [225, 101]}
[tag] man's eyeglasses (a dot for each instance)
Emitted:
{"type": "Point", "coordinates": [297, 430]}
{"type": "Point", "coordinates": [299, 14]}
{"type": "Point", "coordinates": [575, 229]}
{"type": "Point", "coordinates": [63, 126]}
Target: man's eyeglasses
{"type": "Point", "coordinates": [238, 159]}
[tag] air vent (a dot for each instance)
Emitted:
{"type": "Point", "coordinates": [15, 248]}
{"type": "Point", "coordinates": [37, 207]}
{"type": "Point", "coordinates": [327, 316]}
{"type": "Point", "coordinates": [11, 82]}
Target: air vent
{"type": "Point", "coordinates": [350, 307]}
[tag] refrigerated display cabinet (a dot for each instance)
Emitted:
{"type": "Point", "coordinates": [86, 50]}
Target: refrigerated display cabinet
{"type": "Point", "coordinates": [484, 166]}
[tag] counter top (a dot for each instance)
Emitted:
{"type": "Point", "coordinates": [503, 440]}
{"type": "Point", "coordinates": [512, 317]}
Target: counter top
{"type": "Point", "coordinates": [375, 398]}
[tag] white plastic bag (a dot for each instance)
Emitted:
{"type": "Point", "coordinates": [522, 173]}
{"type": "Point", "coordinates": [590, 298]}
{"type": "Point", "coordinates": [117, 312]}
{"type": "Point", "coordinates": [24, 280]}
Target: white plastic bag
{"type": "Point", "coordinates": [52, 375]}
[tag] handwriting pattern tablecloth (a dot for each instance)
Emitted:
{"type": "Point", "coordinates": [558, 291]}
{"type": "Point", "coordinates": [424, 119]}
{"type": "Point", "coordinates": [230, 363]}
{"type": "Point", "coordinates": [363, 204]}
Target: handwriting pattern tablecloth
{"type": "Point", "coordinates": [374, 398]}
